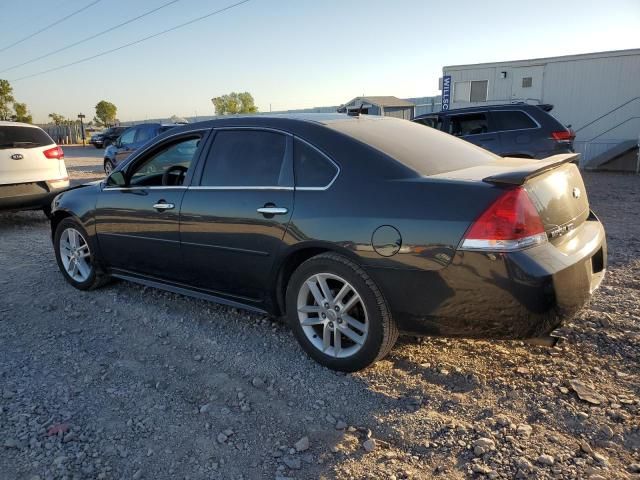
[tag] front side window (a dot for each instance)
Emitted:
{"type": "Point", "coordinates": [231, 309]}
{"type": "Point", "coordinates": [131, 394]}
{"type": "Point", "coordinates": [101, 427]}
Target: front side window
{"type": "Point", "coordinates": [166, 167]}
{"type": "Point", "coordinates": [512, 120]}
{"type": "Point", "coordinates": [127, 137]}
{"type": "Point", "coordinates": [471, 124]}
{"type": "Point", "coordinates": [247, 158]}
{"type": "Point", "coordinates": [312, 168]}
{"type": "Point", "coordinates": [144, 134]}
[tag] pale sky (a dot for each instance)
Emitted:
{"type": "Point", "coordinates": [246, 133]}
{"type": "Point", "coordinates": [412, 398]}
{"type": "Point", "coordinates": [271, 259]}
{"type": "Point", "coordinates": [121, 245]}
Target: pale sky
{"type": "Point", "coordinates": [287, 53]}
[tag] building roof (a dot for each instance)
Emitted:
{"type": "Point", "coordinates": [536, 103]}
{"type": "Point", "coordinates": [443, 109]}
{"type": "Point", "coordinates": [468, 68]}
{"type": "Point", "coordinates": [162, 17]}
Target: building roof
{"type": "Point", "coordinates": [384, 101]}
{"type": "Point", "coordinates": [564, 58]}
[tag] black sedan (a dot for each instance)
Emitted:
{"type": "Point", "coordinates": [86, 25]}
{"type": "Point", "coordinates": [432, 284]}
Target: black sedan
{"type": "Point", "coordinates": [354, 228]}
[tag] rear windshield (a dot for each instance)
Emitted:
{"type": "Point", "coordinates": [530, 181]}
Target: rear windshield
{"type": "Point", "coordinates": [23, 137]}
{"type": "Point", "coordinates": [424, 150]}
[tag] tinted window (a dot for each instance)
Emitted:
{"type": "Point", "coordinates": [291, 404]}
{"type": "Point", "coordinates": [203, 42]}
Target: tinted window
{"type": "Point", "coordinates": [471, 124]}
{"type": "Point", "coordinates": [23, 137]}
{"type": "Point", "coordinates": [512, 120]}
{"type": "Point", "coordinates": [312, 168]}
{"type": "Point", "coordinates": [246, 158]}
{"type": "Point", "coordinates": [433, 122]}
{"type": "Point", "coordinates": [179, 154]}
{"type": "Point", "coordinates": [144, 134]}
{"type": "Point", "coordinates": [128, 136]}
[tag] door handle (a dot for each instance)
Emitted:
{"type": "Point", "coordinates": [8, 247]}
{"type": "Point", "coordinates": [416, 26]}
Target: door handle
{"type": "Point", "coordinates": [161, 205]}
{"type": "Point", "coordinates": [273, 210]}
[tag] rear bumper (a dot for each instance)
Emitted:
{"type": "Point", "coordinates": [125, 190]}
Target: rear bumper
{"type": "Point", "coordinates": [31, 195]}
{"type": "Point", "coordinates": [515, 295]}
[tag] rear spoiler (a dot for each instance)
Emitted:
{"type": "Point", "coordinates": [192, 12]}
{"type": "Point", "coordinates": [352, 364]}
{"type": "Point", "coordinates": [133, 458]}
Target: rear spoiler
{"type": "Point", "coordinates": [520, 175]}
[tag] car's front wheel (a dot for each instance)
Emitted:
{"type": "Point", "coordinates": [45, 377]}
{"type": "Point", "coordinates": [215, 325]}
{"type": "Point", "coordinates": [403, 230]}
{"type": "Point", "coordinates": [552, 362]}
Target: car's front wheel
{"type": "Point", "coordinates": [338, 314]}
{"type": "Point", "coordinates": [108, 166]}
{"type": "Point", "coordinates": [74, 256]}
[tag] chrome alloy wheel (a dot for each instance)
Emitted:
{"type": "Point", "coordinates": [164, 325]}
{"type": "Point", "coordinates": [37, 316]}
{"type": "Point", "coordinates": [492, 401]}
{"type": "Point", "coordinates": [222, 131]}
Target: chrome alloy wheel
{"type": "Point", "coordinates": [108, 168]}
{"type": "Point", "coordinates": [75, 255]}
{"type": "Point", "coordinates": [332, 315]}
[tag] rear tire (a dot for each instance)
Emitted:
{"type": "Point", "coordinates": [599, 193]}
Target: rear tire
{"type": "Point", "coordinates": [338, 314]}
{"type": "Point", "coordinates": [75, 256]}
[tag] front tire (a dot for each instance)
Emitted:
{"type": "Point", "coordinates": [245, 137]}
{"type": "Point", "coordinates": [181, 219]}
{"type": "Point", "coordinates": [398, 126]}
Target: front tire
{"type": "Point", "coordinates": [338, 314]}
{"type": "Point", "coordinates": [75, 258]}
{"type": "Point", "coordinates": [108, 167]}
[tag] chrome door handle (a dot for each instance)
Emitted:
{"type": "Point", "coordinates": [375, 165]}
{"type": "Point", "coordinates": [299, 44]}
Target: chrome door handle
{"type": "Point", "coordinates": [163, 206]}
{"type": "Point", "coordinates": [273, 210]}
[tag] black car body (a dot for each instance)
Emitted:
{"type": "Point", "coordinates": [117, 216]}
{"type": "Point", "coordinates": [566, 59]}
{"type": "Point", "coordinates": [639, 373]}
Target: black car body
{"type": "Point", "coordinates": [512, 130]}
{"type": "Point", "coordinates": [107, 137]}
{"type": "Point", "coordinates": [233, 209]}
{"type": "Point", "coordinates": [129, 141]}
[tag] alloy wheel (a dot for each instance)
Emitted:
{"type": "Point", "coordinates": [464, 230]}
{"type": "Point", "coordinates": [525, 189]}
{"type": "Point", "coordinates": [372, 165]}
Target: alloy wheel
{"type": "Point", "coordinates": [332, 315]}
{"type": "Point", "coordinates": [108, 168]}
{"type": "Point", "coordinates": [75, 255]}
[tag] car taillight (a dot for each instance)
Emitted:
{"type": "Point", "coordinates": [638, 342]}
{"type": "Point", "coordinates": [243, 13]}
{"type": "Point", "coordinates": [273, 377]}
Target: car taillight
{"type": "Point", "coordinates": [563, 135]}
{"type": "Point", "coordinates": [510, 223]}
{"type": "Point", "coordinates": [54, 153]}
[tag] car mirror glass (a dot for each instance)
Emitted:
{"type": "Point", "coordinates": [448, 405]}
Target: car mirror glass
{"type": "Point", "coordinates": [116, 179]}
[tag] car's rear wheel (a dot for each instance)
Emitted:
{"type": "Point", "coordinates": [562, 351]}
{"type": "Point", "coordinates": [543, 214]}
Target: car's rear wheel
{"type": "Point", "coordinates": [338, 314]}
{"type": "Point", "coordinates": [108, 166]}
{"type": "Point", "coordinates": [74, 256]}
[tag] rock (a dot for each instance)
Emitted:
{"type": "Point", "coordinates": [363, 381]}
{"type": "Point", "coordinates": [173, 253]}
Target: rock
{"type": "Point", "coordinates": [222, 438]}
{"type": "Point", "coordinates": [483, 445]}
{"type": "Point", "coordinates": [634, 468]}
{"type": "Point", "coordinates": [481, 469]}
{"type": "Point", "coordinates": [606, 431]}
{"type": "Point", "coordinates": [586, 393]}
{"type": "Point", "coordinates": [545, 460]}
{"type": "Point", "coordinates": [137, 475]}
{"type": "Point", "coordinates": [523, 370]}
{"type": "Point", "coordinates": [523, 464]}
{"type": "Point", "coordinates": [341, 425]}
{"type": "Point", "coordinates": [302, 444]}
{"type": "Point", "coordinates": [369, 445]}
{"type": "Point", "coordinates": [197, 358]}
{"type": "Point", "coordinates": [257, 382]}
{"type": "Point", "coordinates": [502, 420]}
{"type": "Point", "coordinates": [293, 463]}
{"type": "Point", "coordinates": [10, 443]}
{"type": "Point", "coordinates": [585, 447]}
{"type": "Point", "coordinates": [598, 457]}
{"type": "Point", "coordinates": [205, 408]}
{"type": "Point", "coordinates": [330, 419]}
{"type": "Point", "coordinates": [524, 430]}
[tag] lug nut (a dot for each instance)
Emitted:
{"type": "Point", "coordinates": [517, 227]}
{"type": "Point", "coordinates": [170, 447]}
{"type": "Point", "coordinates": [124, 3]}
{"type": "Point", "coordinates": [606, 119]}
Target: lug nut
{"type": "Point", "coordinates": [326, 305]}
{"type": "Point", "coordinates": [323, 315]}
{"type": "Point", "coordinates": [336, 308]}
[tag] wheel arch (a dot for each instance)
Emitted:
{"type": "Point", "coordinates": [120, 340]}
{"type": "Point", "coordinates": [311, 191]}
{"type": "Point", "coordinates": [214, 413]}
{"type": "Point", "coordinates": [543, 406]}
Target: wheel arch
{"type": "Point", "coordinates": [295, 257]}
{"type": "Point", "coordinates": [57, 217]}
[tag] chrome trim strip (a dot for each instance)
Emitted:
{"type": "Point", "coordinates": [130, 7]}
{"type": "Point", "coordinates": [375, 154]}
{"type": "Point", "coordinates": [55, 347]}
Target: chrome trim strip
{"type": "Point", "coordinates": [168, 187]}
{"type": "Point", "coordinates": [256, 128]}
{"type": "Point", "coordinates": [202, 187]}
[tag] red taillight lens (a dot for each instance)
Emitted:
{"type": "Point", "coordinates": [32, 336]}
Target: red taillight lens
{"type": "Point", "coordinates": [54, 153]}
{"type": "Point", "coordinates": [563, 135]}
{"type": "Point", "coordinates": [510, 223]}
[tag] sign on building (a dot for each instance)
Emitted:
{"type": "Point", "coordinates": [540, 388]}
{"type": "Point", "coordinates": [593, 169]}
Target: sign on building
{"type": "Point", "coordinates": [446, 92]}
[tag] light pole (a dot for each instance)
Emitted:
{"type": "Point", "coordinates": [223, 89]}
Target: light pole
{"type": "Point", "coordinates": [81, 116]}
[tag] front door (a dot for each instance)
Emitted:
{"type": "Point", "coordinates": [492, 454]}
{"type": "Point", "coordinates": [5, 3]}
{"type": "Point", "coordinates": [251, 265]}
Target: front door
{"type": "Point", "coordinates": [234, 218]}
{"type": "Point", "coordinates": [138, 225]}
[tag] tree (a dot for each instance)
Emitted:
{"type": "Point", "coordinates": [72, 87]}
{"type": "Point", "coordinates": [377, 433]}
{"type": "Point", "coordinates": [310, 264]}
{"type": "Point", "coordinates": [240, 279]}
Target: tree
{"type": "Point", "coordinates": [57, 118]}
{"type": "Point", "coordinates": [105, 113]}
{"type": "Point", "coordinates": [22, 113]}
{"type": "Point", "coordinates": [6, 99]}
{"type": "Point", "coordinates": [233, 103]}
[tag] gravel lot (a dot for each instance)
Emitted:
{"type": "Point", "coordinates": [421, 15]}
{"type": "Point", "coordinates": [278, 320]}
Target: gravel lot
{"type": "Point", "coordinates": [131, 382]}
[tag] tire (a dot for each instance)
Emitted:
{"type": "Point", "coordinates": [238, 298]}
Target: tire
{"type": "Point", "coordinates": [370, 310]}
{"type": "Point", "coordinates": [94, 276]}
{"type": "Point", "coordinates": [109, 167]}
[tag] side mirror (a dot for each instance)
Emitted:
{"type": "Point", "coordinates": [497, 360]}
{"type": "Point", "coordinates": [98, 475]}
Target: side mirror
{"type": "Point", "coordinates": [116, 179]}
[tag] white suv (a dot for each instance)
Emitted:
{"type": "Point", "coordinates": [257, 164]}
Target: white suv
{"type": "Point", "coordinates": [32, 168]}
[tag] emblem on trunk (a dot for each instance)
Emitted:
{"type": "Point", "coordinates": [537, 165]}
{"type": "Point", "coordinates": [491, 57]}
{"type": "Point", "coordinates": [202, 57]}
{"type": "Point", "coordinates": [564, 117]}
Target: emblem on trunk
{"type": "Point", "coordinates": [17, 156]}
{"type": "Point", "coordinates": [576, 192]}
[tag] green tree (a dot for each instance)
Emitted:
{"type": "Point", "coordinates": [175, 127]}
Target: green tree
{"type": "Point", "coordinates": [6, 99]}
{"type": "Point", "coordinates": [22, 113]}
{"type": "Point", "coordinates": [233, 103]}
{"type": "Point", "coordinates": [105, 113]}
{"type": "Point", "coordinates": [58, 119]}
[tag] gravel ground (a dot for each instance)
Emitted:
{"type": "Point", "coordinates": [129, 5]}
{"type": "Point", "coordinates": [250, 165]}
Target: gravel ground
{"type": "Point", "coordinates": [131, 382]}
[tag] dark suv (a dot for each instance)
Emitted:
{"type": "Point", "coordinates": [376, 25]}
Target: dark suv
{"type": "Point", "coordinates": [511, 130]}
{"type": "Point", "coordinates": [130, 140]}
{"type": "Point", "coordinates": [106, 138]}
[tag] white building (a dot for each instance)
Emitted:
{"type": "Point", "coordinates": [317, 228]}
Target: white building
{"type": "Point", "coordinates": [598, 94]}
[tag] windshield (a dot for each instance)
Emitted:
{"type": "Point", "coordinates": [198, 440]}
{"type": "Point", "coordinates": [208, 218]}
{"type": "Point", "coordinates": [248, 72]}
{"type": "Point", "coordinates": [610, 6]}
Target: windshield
{"type": "Point", "coordinates": [23, 137]}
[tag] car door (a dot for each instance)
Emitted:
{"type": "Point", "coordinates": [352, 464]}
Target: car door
{"type": "Point", "coordinates": [475, 128]}
{"type": "Point", "coordinates": [124, 144]}
{"type": "Point", "coordinates": [232, 223]}
{"type": "Point", "coordinates": [518, 132]}
{"type": "Point", "coordinates": [137, 225]}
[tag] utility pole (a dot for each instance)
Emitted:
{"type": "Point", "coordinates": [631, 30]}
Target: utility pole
{"type": "Point", "coordinates": [81, 116]}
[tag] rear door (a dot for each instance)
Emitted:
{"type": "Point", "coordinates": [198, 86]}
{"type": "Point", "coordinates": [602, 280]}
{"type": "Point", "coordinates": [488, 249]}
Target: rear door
{"type": "Point", "coordinates": [518, 133]}
{"type": "Point", "coordinates": [232, 223]}
{"type": "Point", "coordinates": [475, 128]}
{"type": "Point", "coordinates": [21, 155]}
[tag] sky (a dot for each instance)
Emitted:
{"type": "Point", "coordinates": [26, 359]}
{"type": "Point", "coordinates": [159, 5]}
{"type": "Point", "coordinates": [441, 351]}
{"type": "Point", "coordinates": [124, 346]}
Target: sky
{"type": "Point", "coordinates": [286, 53]}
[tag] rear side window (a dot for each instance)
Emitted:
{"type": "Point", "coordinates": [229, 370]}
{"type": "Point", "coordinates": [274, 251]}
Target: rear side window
{"type": "Point", "coordinates": [247, 158]}
{"type": "Point", "coordinates": [512, 120]}
{"type": "Point", "coordinates": [312, 168]}
{"type": "Point", "coordinates": [433, 122]}
{"type": "Point", "coordinates": [23, 137]}
{"type": "Point", "coordinates": [471, 124]}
